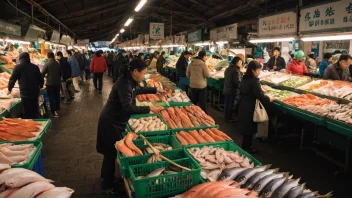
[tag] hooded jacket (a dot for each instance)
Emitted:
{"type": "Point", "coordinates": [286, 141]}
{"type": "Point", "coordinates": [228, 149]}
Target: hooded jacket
{"type": "Point", "coordinates": [298, 68]}
{"type": "Point", "coordinates": [75, 70]}
{"type": "Point", "coordinates": [322, 67]}
{"type": "Point", "coordinates": [65, 69]}
{"type": "Point", "coordinates": [53, 69]}
{"type": "Point", "coordinates": [29, 77]}
{"type": "Point", "coordinates": [98, 64]}
{"type": "Point", "coordinates": [197, 72]}
{"type": "Point", "coordinates": [335, 72]}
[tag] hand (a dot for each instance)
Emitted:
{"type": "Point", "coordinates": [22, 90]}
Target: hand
{"type": "Point", "coordinates": [42, 89]}
{"type": "Point", "coordinates": [155, 109]}
{"type": "Point", "coordinates": [275, 67]}
{"type": "Point", "coordinates": [9, 93]}
{"type": "Point", "coordinates": [161, 90]}
{"type": "Point", "coordinates": [272, 99]}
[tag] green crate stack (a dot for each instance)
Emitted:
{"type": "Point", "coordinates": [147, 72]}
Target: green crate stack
{"type": "Point", "coordinates": [164, 185]}
{"type": "Point", "coordinates": [33, 159]}
{"type": "Point", "coordinates": [149, 133]}
{"type": "Point", "coordinates": [180, 104]}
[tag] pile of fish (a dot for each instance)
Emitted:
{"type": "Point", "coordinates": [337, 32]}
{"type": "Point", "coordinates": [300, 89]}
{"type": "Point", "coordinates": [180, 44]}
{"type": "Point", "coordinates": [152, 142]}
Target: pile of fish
{"type": "Point", "coordinates": [338, 89]}
{"type": "Point", "coordinates": [159, 147]}
{"type": "Point", "coordinates": [277, 78]}
{"type": "Point", "coordinates": [151, 97]}
{"type": "Point", "coordinates": [19, 129]}
{"type": "Point", "coordinates": [201, 136]}
{"type": "Point", "coordinates": [342, 112]}
{"type": "Point", "coordinates": [16, 154]}
{"type": "Point", "coordinates": [126, 146]}
{"type": "Point", "coordinates": [186, 117]}
{"type": "Point", "coordinates": [23, 183]}
{"type": "Point", "coordinates": [146, 124]}
{"type": "Point", "coordinates": [178, 97]}
{"type": "Point", "coordinates": [316, 84]}
{"type": "Point", "coordinates": [5, 104]}
{"type": "Point", "coordinates": [307, 99]}
{"type": "Point", "coordinates": [162, 171]}
{"type": "Point", "coordinates": [216, 160]}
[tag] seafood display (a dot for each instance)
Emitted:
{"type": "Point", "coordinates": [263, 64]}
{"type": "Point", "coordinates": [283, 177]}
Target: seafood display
{"type": "Point", "coordinates": [216, 161]}
{"type": "Point", "coordinates": [159, 147]}
{"type": "Point", "coordinates": [277, 94]}
{"type": "Point", "coordinates": [150, 97]}
{"type": "Point", "coordinates": [341, 112]}
{"type": "Point", "coordinates": [316, 84]}
{"type": "Point", "coordinates": [296, 81]}
{"type": "Point", "coordinates": [126, 146]}
{"type": "Point", "coordinates": [16, 154]}
{"type": "Point", "coordinates": [178, 97]}
{"type": "Point", "coordinates": [201, 136]}
{"type": "Point", "coordinates": [19, 129]}
{"type": "Point", "coordinates": [146, 124]}
{"type": "Point", "coordinates": [306, 99]}
{"type": "Point", "coordinates": [186, 117]}
{"type": "Point", "coordinates": [5, 104]}
{"type": "Point", "coordinates": [162, 171]}
{"type": "Point", "coordinates": [19, 182]}
{"type": "Point", "coordinates": [277, 78]}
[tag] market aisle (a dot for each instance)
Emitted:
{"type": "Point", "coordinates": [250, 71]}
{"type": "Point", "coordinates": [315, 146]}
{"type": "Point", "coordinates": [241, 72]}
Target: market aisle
{"type": "Point", "coordinates": [70, 158]}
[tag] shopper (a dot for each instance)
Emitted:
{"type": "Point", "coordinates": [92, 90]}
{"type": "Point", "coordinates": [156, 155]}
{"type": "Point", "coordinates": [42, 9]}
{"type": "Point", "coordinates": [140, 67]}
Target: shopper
{"type": "Point", "coordinates": [197, 72]}
{"type": "Point", "coordinates": [81, 64]}
{"type": "Point", "coordinates": [120, 60]}
{"type": "Point", "coordinates": [325, 63]}
{"type": "Point", "coordinates": [52, 71]}
{"type": "Point", "coordinates": [66, 76]}
{"type": "Point", "coordinates": [75, 71]}
{"type": "Point", "coordinates": [276, 62]}
{"type": "Point", "coordinates": [109, 62]}
{"type": "Point", "coordinates": [98, 67]}
{"type": "Point", "coordinates": [161, 62]}
{"type": "Point", "coordinates": [250, 91]}
{"type": "Point", "coordinates": [87, 66]}
{"type": "Point", "coordinates": [297, 66]}
{"type": "Point", "coordinates": [181, 68]}
{"type": "Point", "coordinates": [340, 69]}
{"type": "Point", "coordinates": [141, 56]}
{"type": "Point", "coordinates": [114, 116]}
{"type": "Point", "coordinates": [30, 81]}
{"type": "Point", "coordinates": [154, 59]}
{"type": "Point", "coordinates": [233, 77]}
{"type": "Point", "coordinates": [311, 64]}
{"type": "Point", "coordinates": [147, 59]}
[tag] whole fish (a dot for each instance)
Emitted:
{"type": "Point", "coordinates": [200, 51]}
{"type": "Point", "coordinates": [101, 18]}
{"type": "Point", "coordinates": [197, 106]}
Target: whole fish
{"type": "Point", "coordinates": [9, 173]}
{"type": "Point", "coordinates": [175, 168]}
{"type": "Point", "coordinates": [214, 175]}
{"type": "Point", "coordinates": [256, 177]}
{"type": "Point", "coordinates": [156, 172]}
{"type": "Point", "coordinates": [308, 194]}
{"type": "Point", "coordinates": [296, 191]}
{"type": "Point", "coordinates": [266, 180]}
{"type": "Point", "coordinates": [245, 175]}
{"type": "Point", "coordinates": [166, 172]}
{"type": "Point", "coordinates": [23, 179]}
{"type": "Point", "coordinates": [283, 190]}
{"type": "Point", "coordinates": [231, 174]}
{"type": "Point", "coordinates": [32, 190]}
{"type": "Point", "coordinates": [272, 186]}
{"type": "Point", "coordinates": [58, 192]}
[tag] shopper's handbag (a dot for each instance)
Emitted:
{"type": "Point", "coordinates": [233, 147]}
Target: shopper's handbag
{"type": "Point", "coordinates": [260, 114]}
{"type": "Point", "coordinates": [262, 130]}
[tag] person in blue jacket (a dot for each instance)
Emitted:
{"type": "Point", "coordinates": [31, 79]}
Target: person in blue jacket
{"type": "Point", "coordinates": [325, 63]}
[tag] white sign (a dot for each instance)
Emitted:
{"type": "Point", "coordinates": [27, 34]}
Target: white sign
{"type": "Point", "coordinates": [65, 39]}
{"type": "Point", "coordinates": [83, 42]}
{"type": "Point", "coordinates": [224, 33]}
{"type": "Point", "coordinates": [285, 23]}
{"type": "Point", "coordinates": [156, 30]}
{"type": "Point", "coordinates": [328, 16]}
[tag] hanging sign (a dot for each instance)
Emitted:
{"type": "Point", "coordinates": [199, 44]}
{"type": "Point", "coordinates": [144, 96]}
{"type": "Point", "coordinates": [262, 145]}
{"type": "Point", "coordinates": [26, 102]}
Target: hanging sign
{"type": "Point", "coordinates": [335, 15]}
{"type": "Point", "coordinates": [156, 30]}
{"type": "Point", "coordinates": [285, 23]}
{"type": "Point", "coordinates": [195, 36]}
{"type": "Point", "coordinates": [65, 39]}
{"type": "Point", "coordinates": [8, 28]}
{"type": "Point", "coordinates": [83, 42]}
{"type": "Point", "coordinates": [224, 33]}
{"type": "Point", "coordinates": [55, 37]}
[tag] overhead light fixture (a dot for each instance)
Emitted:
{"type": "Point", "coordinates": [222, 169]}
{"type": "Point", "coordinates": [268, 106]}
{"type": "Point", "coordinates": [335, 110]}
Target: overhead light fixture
{"type": "Point", "coordinates": [17, 41]}
{"type": "Point", "coordinates": [166, 46]}
{"type": "Point", "coordinates": [122, 30]}
{"type": "Point", "coordinates": [221, 42]}
{"type": "Point", "coordinates": [202, 44]}
{"type": "Point", "coordinates": [140, 5]}
{"type": "Point", "coordinates": [271, 40]}
{"type": "Point", "coordinates": [328, 38]}
{"type": "Point", "coordinates": [129, 21]}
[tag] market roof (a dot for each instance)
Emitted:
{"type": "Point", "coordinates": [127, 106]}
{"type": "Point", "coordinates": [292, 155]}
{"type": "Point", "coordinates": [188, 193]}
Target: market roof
{"type": "Point", "coordinates": [101, 19]}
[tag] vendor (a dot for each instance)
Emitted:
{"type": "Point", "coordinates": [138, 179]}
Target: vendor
{"type": "Point", "coordinates": [276, 62]}
{"type": "Point", "coordinates": [9, 47]}
{"type": "Point", "coordinates": [115, 114]}
{"type": "Point", "coordinates": [297, 66]}
{"type": "Point", "coordinates": [340, 69]}
{"type": "Point", "coordinates": [325, 63]}
{"type": "Point", "coordinates": [181, 68]}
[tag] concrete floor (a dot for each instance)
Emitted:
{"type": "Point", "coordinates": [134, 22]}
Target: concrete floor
{"type": "Point", "coordinates": [70, 158]}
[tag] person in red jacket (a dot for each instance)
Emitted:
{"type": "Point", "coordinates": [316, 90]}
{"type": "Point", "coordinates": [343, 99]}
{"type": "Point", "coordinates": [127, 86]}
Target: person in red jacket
{"type": "Point", "coordinates": [297, 66]}
{"type": "Point", "coordinates": [98, 67]}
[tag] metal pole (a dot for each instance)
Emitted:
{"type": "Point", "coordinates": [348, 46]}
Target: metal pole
{"type": "Point", "coordinates": [32, 15]}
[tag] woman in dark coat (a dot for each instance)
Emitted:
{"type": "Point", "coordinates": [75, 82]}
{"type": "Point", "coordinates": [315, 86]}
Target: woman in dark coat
{"type": "Point", "coordinates": [161, 62]}
{"type": "Point", "coordinates": [115, 114]}
{"type": "Point", "coordinates": [250, 91]}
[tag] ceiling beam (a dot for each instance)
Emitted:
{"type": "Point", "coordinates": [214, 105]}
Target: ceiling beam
{"type": "Point", "coordinates": [52, 2]}
{"type": "Point", "coordinates": [190, 10]}
{"type": "Point", "coordinates": [97, 22]}
{"type": "Point", "coordinates": [201, 4]}
{"type": "Point", "coordinates": [214, 9]}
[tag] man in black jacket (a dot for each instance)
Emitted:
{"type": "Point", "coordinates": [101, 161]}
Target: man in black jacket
{"type": "Point", "coordinates": [31, 81]}
{"type": "Point", "coordinates": [181, 69]}
{"type": "Point", "coordinates": [276, 62]}
{"type": "Point", "coordinates": [120, 60]}
{"type": "Point", "coordinates": [66, 76]}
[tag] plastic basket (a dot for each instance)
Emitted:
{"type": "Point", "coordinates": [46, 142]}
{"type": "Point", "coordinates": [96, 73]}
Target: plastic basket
{"type": "Point", "coordinates": [180, 104]}
{"type": "Point", "coordinates": [149, 133]}
{"type": "Point", "coordinates": [33, 159]}
{"type": "Point", "coordinates": [164, 185]}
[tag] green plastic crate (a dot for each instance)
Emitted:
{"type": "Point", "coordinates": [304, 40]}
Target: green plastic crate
{"type": "Point", "coordinates": [149, 133]}
{"type": "Point", "coordinates": [164, 185]}
{"type": "Point", "coordinates": [161, 104]}
{"type": "Point", "coordinates": [31, 162]}
{"type": "Point", "coordinates": [194, 128]}
{"type": "Point", "coordinates": [180, 104]}
{"type": "Point", "coordinates": [339, 127]}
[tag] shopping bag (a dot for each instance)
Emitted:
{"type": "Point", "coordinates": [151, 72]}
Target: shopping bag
{"type": "Point", "coordinates": [260, 114]}
{"type": "Point", "coordinates": [262, 130]}
{"type": "Point", "coordinates": [70, 88]}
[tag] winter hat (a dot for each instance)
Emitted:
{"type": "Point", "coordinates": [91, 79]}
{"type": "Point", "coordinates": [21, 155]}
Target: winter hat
{"type": "Point", "coordinates": [299, 55]}
{"type": "Point", "coordinates": [24, 55]}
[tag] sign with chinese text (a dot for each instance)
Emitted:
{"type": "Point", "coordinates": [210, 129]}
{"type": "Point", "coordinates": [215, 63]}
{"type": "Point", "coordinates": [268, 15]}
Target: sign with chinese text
{"type": "Point", "coordinates": [285, 23]}
{"type": "Point", "coordinates": [194, 36]}
{"type": "Point", "coordinates": [156, 30]}
{"type": "Point", "coordinates": [224, 33]}
{"type": "Point", "coordinates": [328, 16]}
{"type": "Point", "coordinates": [8, 28]}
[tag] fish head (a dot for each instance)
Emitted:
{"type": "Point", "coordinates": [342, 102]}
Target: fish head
{"type": "Point", "coordinates": [224, 176]}
{"type": "Point", "coordinates": [240, 179]}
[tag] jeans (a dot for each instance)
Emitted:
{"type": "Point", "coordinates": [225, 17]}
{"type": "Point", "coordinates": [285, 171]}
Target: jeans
{"type": "Point", "coordinates": [75, 83]}
{"type": "Point", "coordinates": [64, 86]}
{"type": "Point", "coordinates": [199, 97]}
{"type": "Point", "coordinates": [108, 169]}
{"type": "Point", "coordinates": [110, 73]}
{"type": "Point", "coordinates": [98, 77]}
{"type": "Point", "coordinates": [228, 106]}
{"type": "Point", "coordinates": [30, 107]}
{"type": "Point", "coordinates": [54, 97]}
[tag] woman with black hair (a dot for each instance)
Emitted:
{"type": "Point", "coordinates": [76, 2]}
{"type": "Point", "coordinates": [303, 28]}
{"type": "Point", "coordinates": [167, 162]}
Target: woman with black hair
{"type": "Point", "coordinates": [250, 91]}
{"type": "Point", "coordinates": [160, 62]}
{"type": "Point", "coordinates": [141, 56]}
{"type": "Point", "coordinates": [115, 114]}
{"type": "Point", "coordinates": [66, 76]}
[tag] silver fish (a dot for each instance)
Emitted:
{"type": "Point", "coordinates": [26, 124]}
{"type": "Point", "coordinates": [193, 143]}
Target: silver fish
{"type": "Point", "coordinates": [272, 186]}
{"type": "Point", "coordinates": [283, 190]}
{"type": "Point", "coordinates": [245, 175]}
{"type": "Point", "coordinates": [296, 191]}
{"type": "Point", "coordinates": [256, 177]}
{"type": "Point", "coordinates": [308, 194]}
{"type": "Point", "coordinates": [266, 180]}
{"type": "Point", "coordinates": [214, 175]}
{"type": "Point", "coordinates": [166, 172]}
{"type": "Point", "coordinates": [230, 174]}
{"type": "Point", "coordinates": [156, 172]}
